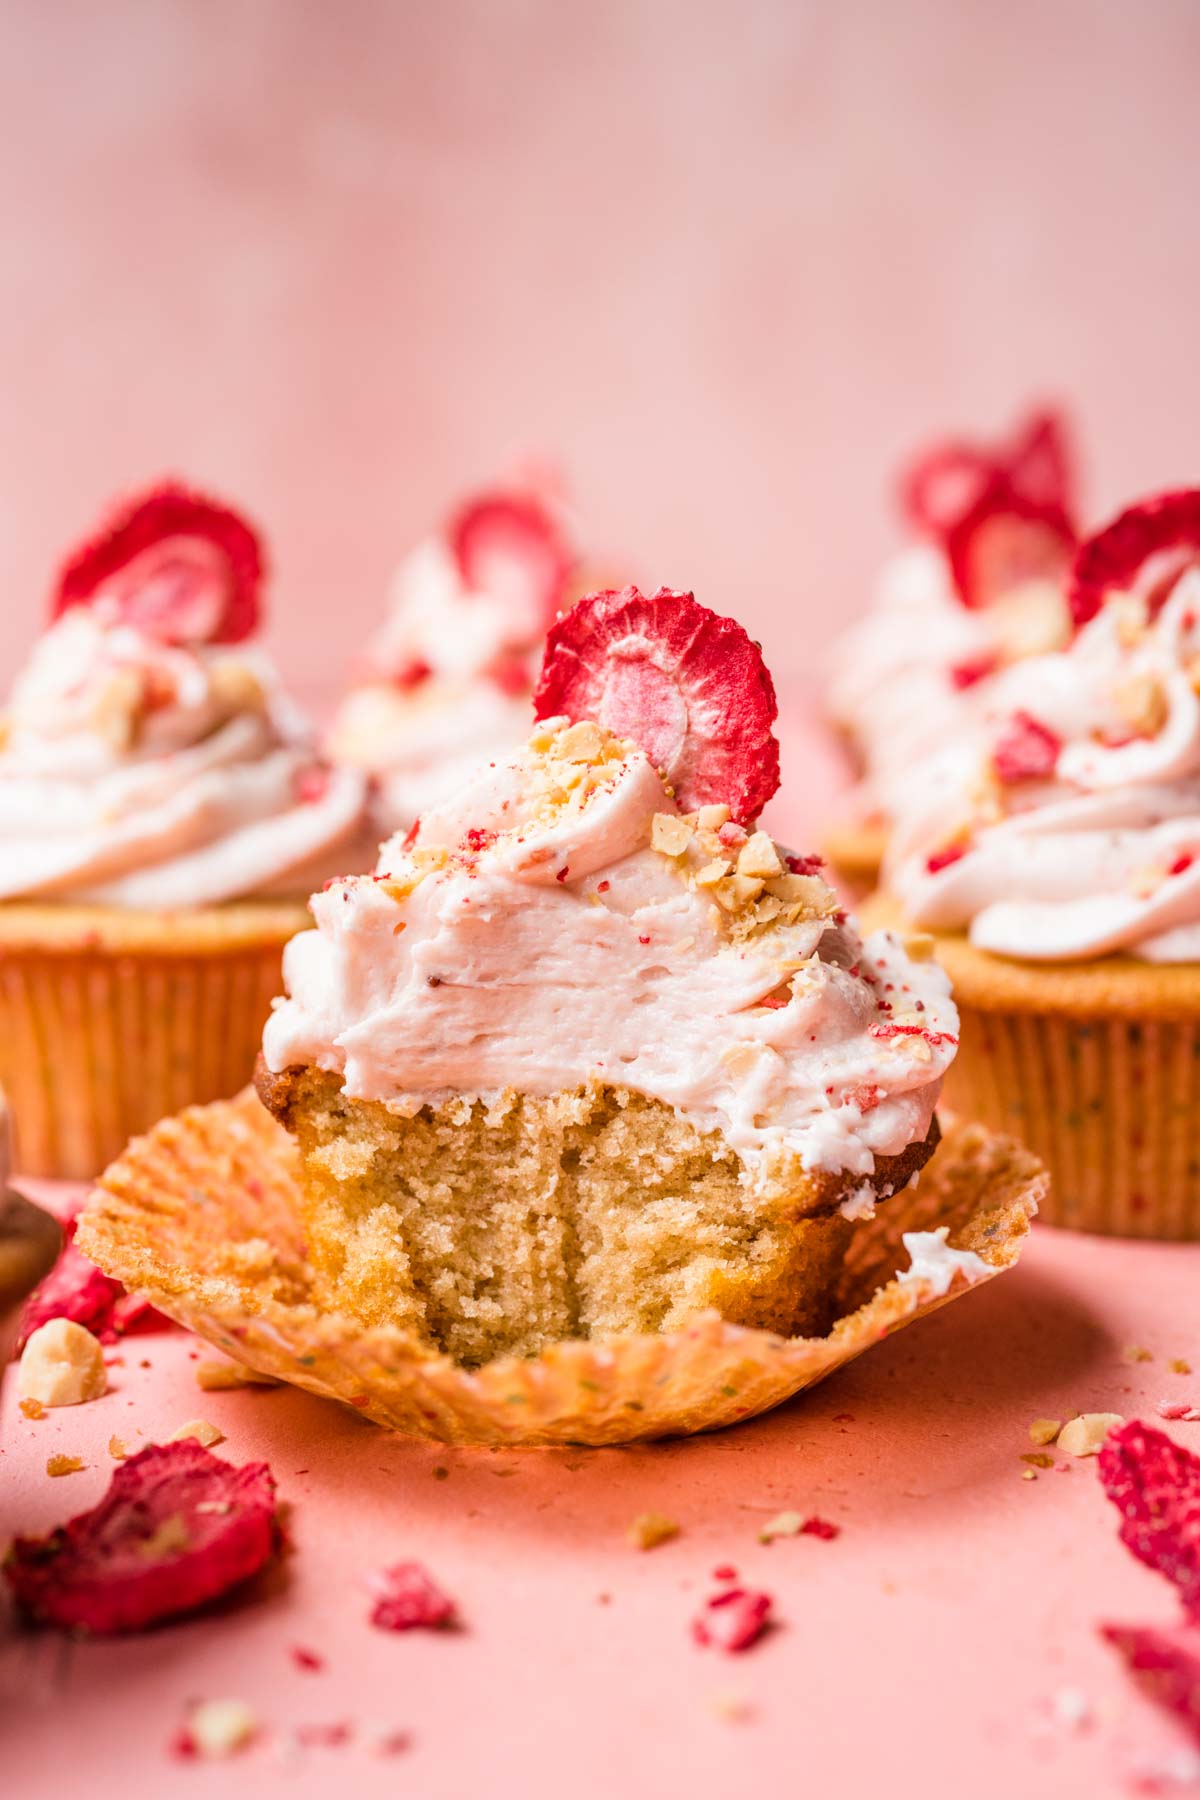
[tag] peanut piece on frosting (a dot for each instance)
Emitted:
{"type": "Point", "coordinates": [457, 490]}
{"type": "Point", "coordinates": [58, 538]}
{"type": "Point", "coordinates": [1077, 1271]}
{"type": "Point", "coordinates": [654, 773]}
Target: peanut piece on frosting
{"type": "Point", "coordinates": [1084, 1435]}
{"type": "Point", "coordinates": [61, 1365]}
{"type": "Point", "coordinates": [711, 818]}
{"type": "Point", "coordinates": [582, 742]}
{"type": "Point", "coordinates": [1044, 1431]}
{"type": "Point", "coordinates": [670, 834]}
{"type": "Point", "coordinates": [712, 872]}
{"type": "Point", "coordinates": [758, 856]}
{"type": "Point", "coordinates": [736, 891]}
{"type": "Point", "coordinates": [201, 1430]}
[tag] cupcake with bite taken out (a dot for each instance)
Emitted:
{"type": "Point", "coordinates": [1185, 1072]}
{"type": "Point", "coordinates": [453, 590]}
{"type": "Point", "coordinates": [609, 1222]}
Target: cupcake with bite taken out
{"type": "Point", "coordinates": [589, 1053]}
{"type": "Point", "coordinates": [978, 589]}
{"type": "Point", "coordinates": [447, 678]}
{"type": "Point", "coordinates": [1053, 849]}
{"type": "Point", "coordinates": [163, 814]}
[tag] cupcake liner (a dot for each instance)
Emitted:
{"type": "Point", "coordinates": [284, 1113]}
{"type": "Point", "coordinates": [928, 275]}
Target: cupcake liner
{"type": "Point", "coordinates": [99, 1043]}
{"type": "Point", "coordinates": [1095, 1065]}
{"type": "Point", "coordinates": [1112, 1104]}
{"type": "Point", "coordinates": [201, 1216]}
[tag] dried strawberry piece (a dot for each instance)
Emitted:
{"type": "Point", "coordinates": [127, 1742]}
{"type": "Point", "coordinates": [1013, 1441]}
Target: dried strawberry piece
{"type": "Point", "coordinates": [820, 1528]}
{"type": "Point", "coordinates": [181, 567]}
{"type": "Point", "coordinates": [508, 545]}
{"type": "Point", "coordinates": [74, 1289]}
{"type": "Point", "coordinates": [1144, 550]}
{"type": "Point", "coordinates": [1155, 1485]}
{"type": "Point", "coordinates": [1026, 750]}
{"type": "Point", "coordinates": [408, 1599]}
{"type": "Point", "coordinates": [689, 687]}
{"type": "Point", "coordinates": [944, 859]}
{"type": "Point", "coordinates": [177, 1527]}
{"type": "Point", "coordinates": [1003, 515]}
{"type": "Point", "coordinates": [973, 669]}
{"type": "Point", "coordinates": [1166, 1663]}
{"type": "Point", "coordinates": [733, 1620]}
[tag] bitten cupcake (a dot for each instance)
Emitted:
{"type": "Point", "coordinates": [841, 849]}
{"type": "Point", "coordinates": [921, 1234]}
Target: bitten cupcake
{"type": "Point", "coordinates": [446, 680]}
{"type": "Point", "coordinates": [163, 811]}
{"type": "Point", "coordinates": [979, 588]}
{"type": "Point", "coordinates": [1054, 849]}
{"type": "Point", "coordinates": [590, 1054]}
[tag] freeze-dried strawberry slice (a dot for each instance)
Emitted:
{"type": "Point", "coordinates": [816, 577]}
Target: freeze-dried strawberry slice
{"type": "Point", "coordinates": [1143, 551]}
{"type": "Point", "coordinates": [74, 1289]}
{"type": "Point", "coordinates": [181, 567]}
{"type": "Point", "coordinates": [177, 1528]}
{"type": "Point", "coordinates": [1004, 515]}
{"type": "Point", "coordinates": [1166, 1663]}
{"type": "Point", "coordinates": [508, 545]}
{"type": "Point", "coordinates": [409, 1599]}
{"type": "Point", "coordinates": [689, 687]}
{"type": "Point", "coordinates": [1025, 750]}
{"type": "Point", "coordinates": [1155, 1485]}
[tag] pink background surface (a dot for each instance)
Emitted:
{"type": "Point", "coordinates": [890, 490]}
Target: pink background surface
{"type": "Point", "coordinates": [729, 260]}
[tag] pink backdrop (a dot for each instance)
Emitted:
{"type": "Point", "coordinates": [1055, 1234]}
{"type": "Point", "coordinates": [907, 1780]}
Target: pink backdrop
{"type": "Point", "coordinates": [727, 259]}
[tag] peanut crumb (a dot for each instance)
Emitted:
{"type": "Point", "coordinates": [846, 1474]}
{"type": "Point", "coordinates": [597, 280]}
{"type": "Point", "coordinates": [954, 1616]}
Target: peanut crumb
{"type": "Point", "coordinates": [1028, 1474]}
{"type": "Point", "coordinates": [1136, 1353]}
{"type": "Point", "coordinates": [1037, 1459]}
{"type": "Point", "coordinates": [784, 1524]}
{"type": "Point", "coordinates": [670, 834]}
{"type": "Point", "coordinates": [201, 1430]}
{"type": "Point", "coordinates": [711, 818]}
{"type": "Point", "coordinates": [220, 1727]}
{"type": "Point", "coordinates": [759, 857]}
{"type": "Point", "coordinates": [651, 1529]}
{"type": "Point", "coordinates": [1083, 1436]}
{"type": "Point", "coordinates": [63, 1465]}
{"type": "Point", "coordinates": [62, 1365]}
{"type": "Point", "coordinates": [1044, 1431]}
{"type": "Point", "coordinates": [1178, 1366]}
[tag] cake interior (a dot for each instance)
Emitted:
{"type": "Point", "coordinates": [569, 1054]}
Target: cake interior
{"type": "Point", "coordinates": [492, 1227]}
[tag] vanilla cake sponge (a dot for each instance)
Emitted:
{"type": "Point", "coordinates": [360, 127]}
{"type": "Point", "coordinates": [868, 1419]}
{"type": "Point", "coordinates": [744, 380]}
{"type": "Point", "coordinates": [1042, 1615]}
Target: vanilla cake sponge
{"type": "Point", "coordinates": [588, 1055]}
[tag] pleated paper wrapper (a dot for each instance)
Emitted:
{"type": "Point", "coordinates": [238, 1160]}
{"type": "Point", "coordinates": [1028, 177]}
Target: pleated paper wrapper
{"type": "Point", "coordinates": [201, 1217]}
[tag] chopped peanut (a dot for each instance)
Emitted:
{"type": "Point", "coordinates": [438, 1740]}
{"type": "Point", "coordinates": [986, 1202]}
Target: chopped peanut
{"type": "Point", "coordinates": [220, 1727]}
{"type": "Point", "coordinates": [650, 1529]}
{"type": "Point", "coordinates": [670, 834]}
{"type": "Point", "coordinates": [758, 856]}
{"type": "Point", "coordinates": [1044, 1431]}
{"type": "Point", "coordinates": [1084, 1436]}
{"type": "Point", "coordinates": [201, 1430]}
{"type": "Point", "coordinates": [62, 1365]}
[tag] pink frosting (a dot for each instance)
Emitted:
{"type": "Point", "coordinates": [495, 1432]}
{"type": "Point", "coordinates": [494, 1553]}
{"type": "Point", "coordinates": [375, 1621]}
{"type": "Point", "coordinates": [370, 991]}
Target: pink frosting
{"type": "Point", "coordinates": [134, 773]}
{"type": "Point", "coordinates": [519, 943]}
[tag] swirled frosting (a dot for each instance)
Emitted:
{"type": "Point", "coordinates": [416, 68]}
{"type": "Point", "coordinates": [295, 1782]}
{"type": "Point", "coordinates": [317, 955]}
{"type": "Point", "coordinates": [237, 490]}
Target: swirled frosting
{"type": "Point", "coordinates": [559, 921]}
{"type": "Point", "coordinates": [921, 666]}
{"type": "Point", "coordinates": [445, 688]}
{"type": "Point", "coordinates": [1064, 821]}
{"type": "Point", "coordinates": [138, 773]}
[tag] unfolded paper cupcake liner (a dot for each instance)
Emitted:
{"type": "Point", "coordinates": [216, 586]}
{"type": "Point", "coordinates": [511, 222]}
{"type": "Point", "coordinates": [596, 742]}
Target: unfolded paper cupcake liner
{"type": "Point", "coordinates": [97, 1044]}
{"type": "Point", "coordinates": [201, 1216]}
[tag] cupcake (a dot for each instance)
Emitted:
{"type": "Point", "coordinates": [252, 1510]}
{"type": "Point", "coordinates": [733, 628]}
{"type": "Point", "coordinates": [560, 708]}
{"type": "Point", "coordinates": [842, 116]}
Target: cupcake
{"type": "Point", "coordinates": [589, 1054]}
{"type": "Point", "coordinates": [446, 680]}
{"type": "Point", "coordinates": [1053, 848]}
{"type": "Point", "coordinates": [978, 588]}
{"type": "Point", "coordinates": [163, 813]}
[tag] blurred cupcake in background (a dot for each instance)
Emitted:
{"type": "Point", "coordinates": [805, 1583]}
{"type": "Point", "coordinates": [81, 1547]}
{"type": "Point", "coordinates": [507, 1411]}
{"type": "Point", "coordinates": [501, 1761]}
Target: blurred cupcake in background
{"type": "Point", "coordinates": [164, 813]}
{"type": "Point", "coordinates": [1052, 845]}
{"type": "Point", "coordinates": [980, 587]}
{"type": "Point", "coordinates": [447, 679]}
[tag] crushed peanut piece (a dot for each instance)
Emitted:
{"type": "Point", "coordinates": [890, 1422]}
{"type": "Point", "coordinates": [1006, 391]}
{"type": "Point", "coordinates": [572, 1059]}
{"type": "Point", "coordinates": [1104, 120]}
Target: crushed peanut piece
{"type": "Point", "coordinates": [1037, 1459]}
{"type": "Point", "coordinates": [1178, 1366]}
{"type": "Point", "coordinates": [220, 1727]}
{"type": "Point", "coordinates": [670, 834]}
{"type": "Point", "coordinates": [1028, 1474]}
{"type": "Point", "coordinates": [1136, 1353]}
{"type": "Point", "coordinates": [201, 1430]}
{"type": "Point", "coordinates": [711, 818]}
{"type": "Point", "coordinates": [711, 873]}
{"type": "Point", "coordinates": [1044, 1431]}
{"type": "Point", "coordinates": [63, 1465]}
{"type": "Point", "coordinates": [218, 1376]}
{"type": "Point", "coordinates": [784, 1524]}
{"type": "Point", "coordinates": [1083, 1436]}
{"type": "Point", "coordinates": [62, 1365]}
{"type": "Point", "coordinates": [651, 1529]}
{"type": "Point", "coordinates": [758, 856]}
{"type": "Point", "coordinates": [581, 742]}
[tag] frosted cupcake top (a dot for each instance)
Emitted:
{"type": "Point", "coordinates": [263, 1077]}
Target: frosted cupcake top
{"type": "Point", "coordinates": [147, 756]}
{"type": "Point", "coordinates": [586, 911]}
{"type": "Point", "coordinates": [447, 678]}
{"type": "Point", "coordinates": [1064, 822]}
{"type": "Point", "coordinates": [979, 590]}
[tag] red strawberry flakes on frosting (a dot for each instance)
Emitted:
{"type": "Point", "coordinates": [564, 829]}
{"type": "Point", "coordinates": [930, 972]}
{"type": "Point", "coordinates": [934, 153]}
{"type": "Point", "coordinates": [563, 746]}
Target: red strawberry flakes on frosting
{"type": "Point", "coordinates": [1026, 750]}
{"type": "Point", "coordinates": [177, 1528]}
{"type": "Point", "coordinates": [508, 545]}
{"type": "Point", "coordinates": [689, 687]}
{"type": "Point", "coordinates": [1144, 550]}
{"type": "Point", "coordinates": [181, 567]}
{"type": "Point", "coordinates": [1003, 516]}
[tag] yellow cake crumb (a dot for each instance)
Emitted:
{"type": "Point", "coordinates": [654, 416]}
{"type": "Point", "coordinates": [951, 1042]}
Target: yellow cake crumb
{"type": "Point", "coordinates": [63, 1465]}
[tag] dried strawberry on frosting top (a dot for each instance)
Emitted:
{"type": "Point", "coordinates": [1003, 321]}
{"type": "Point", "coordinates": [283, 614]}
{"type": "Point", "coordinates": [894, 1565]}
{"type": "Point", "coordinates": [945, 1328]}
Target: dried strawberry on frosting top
{"type": "Point", "coordinates": [600, 905]}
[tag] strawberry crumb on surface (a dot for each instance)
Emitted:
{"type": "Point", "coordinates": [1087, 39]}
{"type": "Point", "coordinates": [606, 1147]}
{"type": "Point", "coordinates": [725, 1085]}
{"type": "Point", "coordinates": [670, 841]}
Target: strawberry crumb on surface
{"type": "Point", "coordinates": [733, 1620]}
{"type": "Point", "coordinates": [408, 1598]}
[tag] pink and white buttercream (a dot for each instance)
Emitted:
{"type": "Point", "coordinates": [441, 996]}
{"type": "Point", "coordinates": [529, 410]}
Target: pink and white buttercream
{"type": "Point", "coordinates": [537, 937]}
{"type": "Point", "coordinates": [139, 773]}
{"type": "Point", "coordinates": [1095, 846]}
